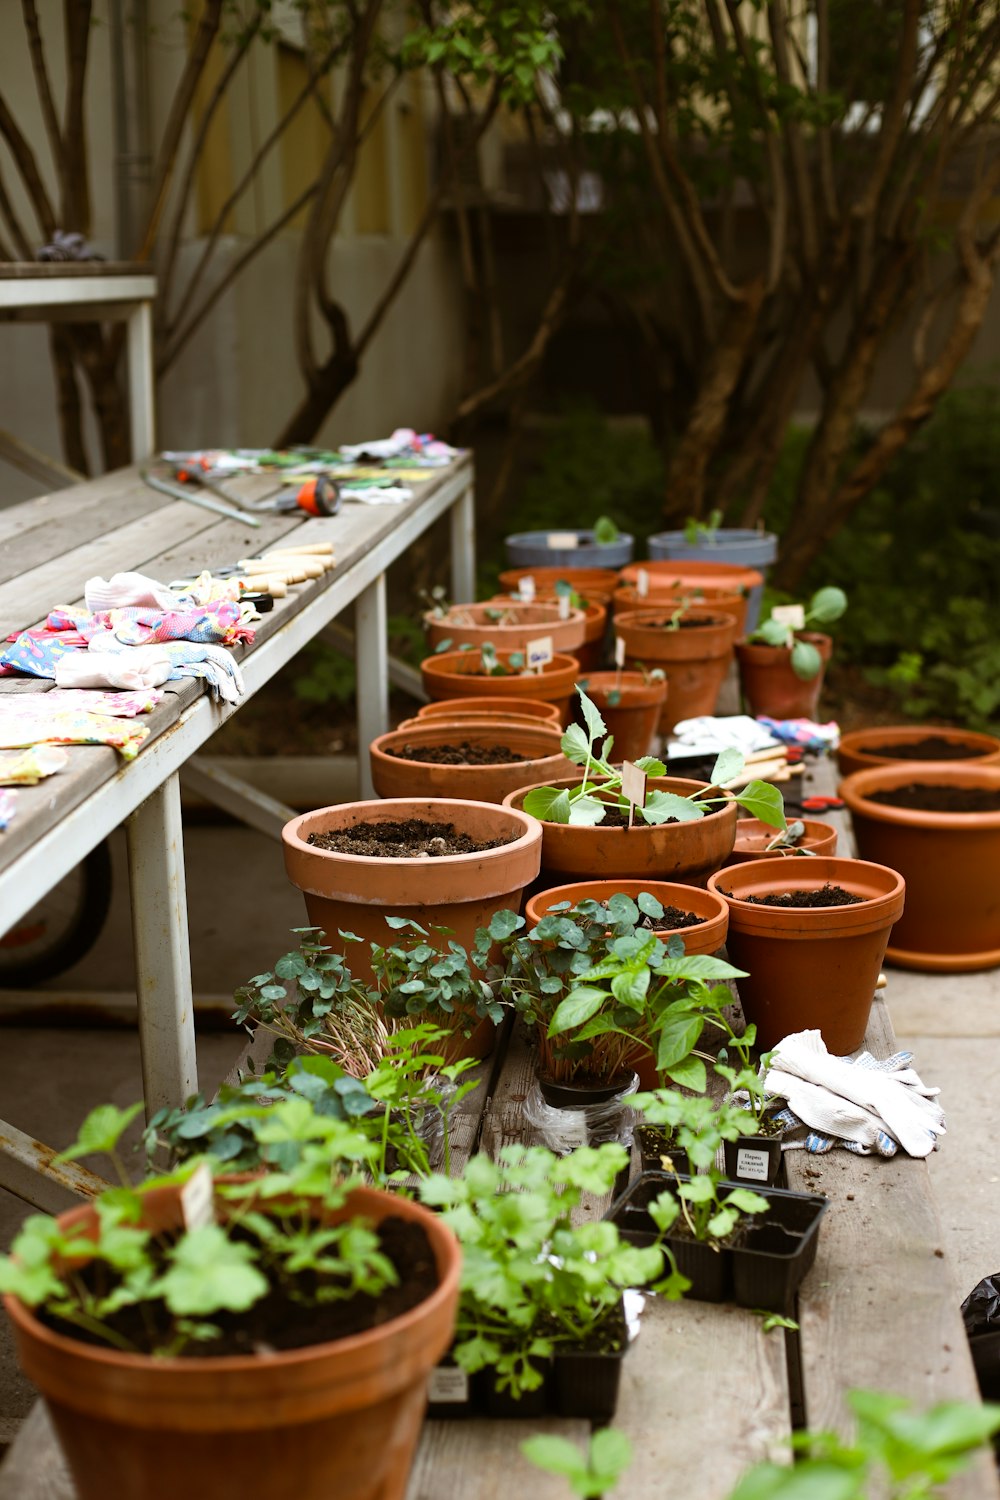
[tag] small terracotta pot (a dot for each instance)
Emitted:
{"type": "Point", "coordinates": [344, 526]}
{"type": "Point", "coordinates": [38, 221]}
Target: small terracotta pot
{"type": "Point", "coordinates": [526, 622]}
{"type": "Point", "coordinates": [809, 967]}
{"type": "Point", "coordinates": [686, 852]}
{"type": "Point", "coordinates": [769, 684]}
{"type": "Point", "coordinates": [627, 599]}
{"type": "Point", "coordinates": [855, 754]}
{"type": "Point", "coordinates": [456, 674]}
{"type": "Point", "coordinates": [539, 746]}
{"type": "Point", "coordinates": [634, 717]}
{"type": "Point", "coordinates": [581, 579]}
{"type": "Point", "coordinates": [950, 862]}
{"type": "Point", "coordinates": [753, 837]}
{"type": "Point", "coordinates": [666, 574]}
{"type": "Point", "coordinates": [462, 708]}
{"type": "Point", "coordinates": [339, 1418]}
{"type": "Point", "coordinates": [694, 660]}
{"type": "Point", "coordinates": [354, 893]}
{"type": "Point", "coordinates": [595, 606]}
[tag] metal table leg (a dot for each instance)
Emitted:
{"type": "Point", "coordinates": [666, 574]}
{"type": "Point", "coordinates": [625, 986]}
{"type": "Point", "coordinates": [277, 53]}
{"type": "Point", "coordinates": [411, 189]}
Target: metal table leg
{"type": "Point", "coordinates": [371, 658]}
{"type": "Point", "coordinates": [463, 547]}
{"type": "Point", "coordinates": [162, 954]}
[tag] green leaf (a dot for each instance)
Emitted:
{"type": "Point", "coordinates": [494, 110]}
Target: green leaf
{"type": "Point", "coordinates": [662, 806]}
{"type": "Point", "coordinates": [773, 633]}
{"type": "Point", "coordinates": [575, 745]}
{"type": "Point", "coordinates": [554, 1454]}
{"type": "Point", "coordinates": [806, 660]}
{"type": "Point", "coordinates": [503, 924]}
{"type": "Point", "coordinates": [676, 1040]}
{"type": "Point", "coordinates": [548, 803]}
{"type": "Point", "coordinates": [211, 1273]}
{"type": "Point", "coordinates": [101, 1131]}
{"type": "Point", "coordinates": [579, 1005]}
{"type": "Point", "coordinates": [592, 716]}
{"type": "Point", "coordinates": [764, 801]}
{"type": "Point", "coordinates": [649, 905]}
{"type": "Point", "coordinates": [651, 765]}
{"type": "Point", "coordinates": [586, 812]}
{"type": "Point", "coordinates": [729, 764]}
{"type": "Point", "coordinates": [689, 1073]}
{"type": "Point", "coordinates": [610, 1455]}
{"type": "Point", "coordinates": [605, 531]}
{"type": "Point", "coordinates": [747, 1201]}
{"type": "Point", "coordinates": [826, 605]}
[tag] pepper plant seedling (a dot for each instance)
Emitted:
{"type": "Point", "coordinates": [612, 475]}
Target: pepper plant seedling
{"type": "Point", "coordinates": [825, 606]}
{"type": "Point", "coordinates": [588, 803]}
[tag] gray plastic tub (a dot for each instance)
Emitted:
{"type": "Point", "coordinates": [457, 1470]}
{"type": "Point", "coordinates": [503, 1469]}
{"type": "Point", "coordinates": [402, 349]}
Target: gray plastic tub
{"type": "Point", "coordinates": [732, 544]}
{"type": "Point", "coordinates": [530, 549]}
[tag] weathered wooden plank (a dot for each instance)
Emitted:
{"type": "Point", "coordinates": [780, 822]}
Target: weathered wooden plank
{"type": "Point", "coordinates": [52, 510]}
{"type": "Point", "coordinates": [72, 270]}
{"type": "Point", "coordinates": [34, 1468]}
{"type": "Point", "coordinates": [102, 517]}
{"type": "Point", "coordinates": [462, 1459]}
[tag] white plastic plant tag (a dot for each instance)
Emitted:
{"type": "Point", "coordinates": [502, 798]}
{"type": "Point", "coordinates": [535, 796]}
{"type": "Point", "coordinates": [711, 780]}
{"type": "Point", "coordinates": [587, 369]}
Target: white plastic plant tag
{"type": "Point", "coordinates": [561, 539]}
{"type": "Point", "coordinates": [633, 784]}
{"type": "Point", "coordinates": [448, 1383]}
{"type": "Point", "coordinates": [642, 583]}
{"type": "Point", "coordinates": [792, 615]}
{"type": "Point", "coordinates": [538, 652]}
{"type": "Point", "coordinates": [751, 1163]}
{"type": "Point", "coordinates": [198, 1198]}
{"type": "Point", "coordinates": [619, 652]}
{"type": "Point", "coordinates": [526, 588]}
{"type": "Point", "coordinates": [565, 603]}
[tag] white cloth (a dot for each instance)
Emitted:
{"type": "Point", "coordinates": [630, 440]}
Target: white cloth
{"type": "Point", "coordinates": [708, 735]}
{"type": "Point", "coordinates": [855, 1100]}
{"type": "Point", "coordinates": [136, 668]}
{"type": "Point", "coordinates": [124, 589]}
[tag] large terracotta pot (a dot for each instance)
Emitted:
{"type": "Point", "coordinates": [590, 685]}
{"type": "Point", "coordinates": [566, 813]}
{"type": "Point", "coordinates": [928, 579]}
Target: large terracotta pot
{"type": "Point", "coordinates": [683, 852]}
{"type": "Point", "coordinates": [707, 937]}
{"type": "Point", "coordinates": [809, 967]}
{"type": "Point", "coordinates": [520, 624]}
{"type": "Point", "coordinates": [472, 707]}
{"type": "Point", "coordinates": [635, 712]}
{"type": "Point", "coordinates": [950, 862]}
{"type": "Point", "coordinates": [856, 752]}
{"type": "Point", "coordinates": [580, 579]}
{"type": "Point", "coordinates": [694, 659]}
{"type": "Point", "coordinates": [456, 674]}
{"type": "Point", "coordinates": [769, 684]}
{"type": "Point", "coordinates": [686, 577]}
{"type": "Point", "coordinates": [354, 893]}
{"type": "Point", "coordinates": [595, 605]}
{"type": "Point", "coordinates": [627, 599]}
{"type": "Point", "coordinates": [336, 1419]}
{"type": "Point", "coordinates": [539, 747]}
{"type": "Point", "coordinates": [753, 837]}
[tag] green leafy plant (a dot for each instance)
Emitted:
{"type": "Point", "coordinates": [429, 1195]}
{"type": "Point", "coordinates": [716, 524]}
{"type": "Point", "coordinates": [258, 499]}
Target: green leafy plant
{"type": "Point", "coordinates": [898, 1453]}
{"type": "Point", "coordinates": [594, 1472]}
{"type": "Point", "coordinates": [589, 802]}
{"type": "Point", "coordinates": [605, 531]}
{"type": "Point", "coordinates": [825, 606]}
{"type": "Point", "coordinates": [532, 1280]}
{"type": "Point", "coordinates": [121, 1283]}
{"type": "Point", "coordinates": [703, 531]}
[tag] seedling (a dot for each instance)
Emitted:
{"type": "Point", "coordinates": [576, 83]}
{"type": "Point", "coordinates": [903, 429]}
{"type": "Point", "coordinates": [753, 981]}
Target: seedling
{"type": "Point", "coordinates": [588, 803]}
{"type": "Point", "coordinates": [591, 1473]}
{"type": "Point", "coordinates": [825, 606]}
{"type": "Point", "coordinates": [703, 531]}
{"type": "Point", "coordinates": [605, 531]}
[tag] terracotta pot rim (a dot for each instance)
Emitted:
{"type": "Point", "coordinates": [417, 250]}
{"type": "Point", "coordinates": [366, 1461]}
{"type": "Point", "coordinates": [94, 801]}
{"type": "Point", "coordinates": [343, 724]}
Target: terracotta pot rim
{"type": "Point", "coordinates": [658, 567]}
{"type": "Point", "coordinates": [636, 619]}
{"type": "Point", "coordinates": [814, 637]}
{"type": "Point", "coordinates": [659, 783]}
{"type": "Point", "coordinates": [530, 835]}
{"type": "Point", "coordinates": [805, 922]}
{"type": "Point", "coordinates": [855, 741]}
{"type": "Point", "coordinates": [223, 1364]}
{"type": "Point", "coordinates": [689, 895]}
{"type": "Point", "coordinates": [823, 830]}
{"type": "Point", "coordinates": [460, 706]}
{"type": "Point", "coordinates": [928, 773]}
{"type": "Point", "coordinates": [562, 662]}
{"type": "Point", "coordinates": [430, 732]}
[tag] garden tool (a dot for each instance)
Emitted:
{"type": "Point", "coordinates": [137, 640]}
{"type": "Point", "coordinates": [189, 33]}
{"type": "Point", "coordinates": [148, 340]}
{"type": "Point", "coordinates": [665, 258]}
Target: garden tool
{"type": "Point", "coordinates": [317, 496]}
{"type": "Point", "coordinates": [178, 492]}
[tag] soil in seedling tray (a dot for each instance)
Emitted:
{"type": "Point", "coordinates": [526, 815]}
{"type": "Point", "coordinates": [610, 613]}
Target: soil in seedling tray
{"type": "Point", "coordinates": [411, 839]}
{"type": "Point", "coordinates": [459, 755]}
{"type": "Point", "coordinates": [828, 895]}
{"type": "Point", "coordinates": [672, 920]}
{"type": "Point", "coordinates": [944, 799]}
{"type": "Point", "coordinates": [276, 1322]}
{"type": "Point", "coordinates": [934, 747]}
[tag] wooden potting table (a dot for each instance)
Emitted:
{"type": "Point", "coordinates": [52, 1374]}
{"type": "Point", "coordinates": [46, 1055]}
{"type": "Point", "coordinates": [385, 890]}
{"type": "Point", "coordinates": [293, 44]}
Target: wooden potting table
{"type": "Point", "coordinates": [49, 547]}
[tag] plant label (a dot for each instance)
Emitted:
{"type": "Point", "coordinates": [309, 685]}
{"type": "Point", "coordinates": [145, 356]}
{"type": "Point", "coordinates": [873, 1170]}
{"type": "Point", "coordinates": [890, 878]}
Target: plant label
{"type": "Point", "coordinates": [448, 1383]}
{"type": "Point", "coordinates": [792, 615]}
{"type": "Point", "coordinates": [198, 1199]}
{"type": "Point", "coordinates": [526, 588]}
{"type": "Point", "coordinates": [619, 652]}
{"type": "Point", "coordinates": [633, 784]}
{"type": "Point", "coordinates": [564, 601]}
{"type": "Point", "coordinates": [642, 583]}
{"type": "Point", "coordinates": [538, 653]}
{"type": "Point", "coordinates": [561, 539]}
{"type": "Point", "coordinates": [751, 1163]}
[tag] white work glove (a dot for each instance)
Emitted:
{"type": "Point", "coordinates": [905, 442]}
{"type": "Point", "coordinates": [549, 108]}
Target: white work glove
{"type": "Point", "coordinates": [708, 735]}
{"type": "Point", "coordinates": [136, 668]}
{"type": "Point", "coordinates": [859, 1102]}
{"type": "Point", "coordinates": [124, 589]}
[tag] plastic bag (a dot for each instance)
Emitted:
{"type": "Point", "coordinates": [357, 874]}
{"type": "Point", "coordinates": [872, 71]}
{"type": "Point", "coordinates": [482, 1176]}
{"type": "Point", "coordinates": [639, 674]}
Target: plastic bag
{"type": "Point", "coordinates": [981, 1316]}
{"type": "Point", "coordinates": [564, 1129]}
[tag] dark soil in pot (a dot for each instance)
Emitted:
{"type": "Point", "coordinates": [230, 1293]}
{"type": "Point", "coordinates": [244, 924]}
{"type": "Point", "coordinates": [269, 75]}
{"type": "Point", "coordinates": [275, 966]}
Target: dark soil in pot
{"type": "Point", "coordinates": [462, 754]}
{"type": "Point", "coordinates": [616, 817]}
{"type": "Point", "coordinates": [828, 895]}
{"type": "Point", "coordinates": [669, 623]}
{"type": "Point", "coordinates": [933, 747]}
{"type": "Point", "coordinates": [402, 840]}
{"type": "Point", "coordinates": [939, 799]}
{"type": "Point", "coordinates": [673, 920]}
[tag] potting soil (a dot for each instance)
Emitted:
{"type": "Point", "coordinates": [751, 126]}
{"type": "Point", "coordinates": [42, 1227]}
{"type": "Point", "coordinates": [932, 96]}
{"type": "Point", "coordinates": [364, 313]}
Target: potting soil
{"type": "Point", "coordinates": [459, 755]}
{"type": "Point", "coordinates": [828, 895]}
{"type": "Point", "coordinates": [673, 919]}
{"type": "Point", "coordinates": [921, 797]}
{"type": "Point", "coordinates": [412, 838]}
{"type": "Point", "coordinates": [933, 747]}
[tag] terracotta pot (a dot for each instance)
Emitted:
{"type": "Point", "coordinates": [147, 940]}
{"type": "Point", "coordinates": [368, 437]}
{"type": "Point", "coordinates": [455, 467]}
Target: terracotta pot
{"type": "Point", "coordinates": [339, 1418]}
{"type": "Point", "coordinates": [353, 893]}
{"type": "Point", "coordinates": [461, 708]}
{"type": "Point", "coordinates": [855, 754]}
{"type": "Point", "coordinates": [688, 576]}
{"type": "Point", "coordinates": [527, 622]}
{"type": "Point", "coordinates": [634, 717]}
{"type": "Point", "coordinates": [950, 862]}
{"type": "Point", "coordinates": [809, 967]}
{"type": "Point", "coordinates": [539, 746]}
{"type": "Point", "coordinates": [707, 937]}
{"type": "Point", "coordinates": [684, 852]}
{"type": "Point", "coordinates": [627, 599]}
{"type": "Point", "coordinates": [595, 606]}
{"type": "Point", "coordinates": [580, 579]}
{"type": "Point", "coordinates": [769, 684]}
{"type": "Point", "coordinates": [753, 837]}
{"type": "Point", "coordinates": [495, 722]}
{"type": "Point", "coordinates": [456, 674]}
{"type": "Point", "coordinates": [694, 660]}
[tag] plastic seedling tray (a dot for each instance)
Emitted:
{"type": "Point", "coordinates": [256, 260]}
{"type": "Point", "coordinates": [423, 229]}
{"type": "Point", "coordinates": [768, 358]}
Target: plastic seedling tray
{"type": "Point", "coordinates": [585, 1381]}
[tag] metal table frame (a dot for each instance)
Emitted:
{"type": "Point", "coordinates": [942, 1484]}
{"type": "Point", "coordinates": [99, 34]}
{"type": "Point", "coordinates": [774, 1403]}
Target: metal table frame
{"type": "Point", "coordinates": [145, 796]}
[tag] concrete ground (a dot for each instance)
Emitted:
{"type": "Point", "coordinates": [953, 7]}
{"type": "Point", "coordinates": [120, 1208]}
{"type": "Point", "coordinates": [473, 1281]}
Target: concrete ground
{"type": "Point", "coordinates": [241, 910]}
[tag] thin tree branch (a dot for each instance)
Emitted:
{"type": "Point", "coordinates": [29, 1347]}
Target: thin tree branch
{"type": "Point", "coordinates": [43, 84]}
{"type": "Point", "coordinates": [21, 242]}
{"type": "Point", "coordinates": [777, 20]}
{"type": "Point", "coordinates": [73, 167]}
{"type": "Point", "coordinates": [27, 166]}
{"type": "Point", "coordinates": [828, 184]}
